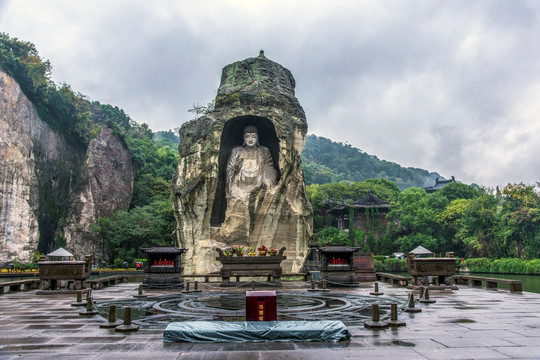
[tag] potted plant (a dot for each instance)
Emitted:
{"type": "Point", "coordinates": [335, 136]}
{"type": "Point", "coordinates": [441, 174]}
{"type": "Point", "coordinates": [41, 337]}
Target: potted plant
{"type": "Point", "coordinates": [228, 251]}
{"type": "Point", "coordinates": [272, 252]}
{"type": "Point", "coordinates": [239, 250]}
{"type": "Point", "coordinates": [252, 251]}
{"type": "Point", "coordinates": [262, 250]}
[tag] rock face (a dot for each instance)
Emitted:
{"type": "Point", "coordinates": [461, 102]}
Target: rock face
{"type": "Point", "coordinates": [35, 174]}
{"type": "Point", "coordinates": [253, 92]}
{"type": "Point", "coordinates": [105, 185]}
{"type": "Point", "coordinates": [47, 185]}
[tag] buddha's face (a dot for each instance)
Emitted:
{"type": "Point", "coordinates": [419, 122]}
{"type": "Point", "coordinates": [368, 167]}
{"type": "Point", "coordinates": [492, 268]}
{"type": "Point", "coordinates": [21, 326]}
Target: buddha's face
{"type": "Point", "coordinates": [251, 139]}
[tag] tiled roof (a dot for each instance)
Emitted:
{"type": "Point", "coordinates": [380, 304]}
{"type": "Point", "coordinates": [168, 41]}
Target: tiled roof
{"type": "Point", "coordinates": [338, 249]}
{"type": "Point", "coordinates": [163, 250]}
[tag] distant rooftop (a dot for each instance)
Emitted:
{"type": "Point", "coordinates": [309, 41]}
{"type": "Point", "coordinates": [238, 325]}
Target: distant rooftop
{"type": "Point", "coordinates": [368, 201]}
{"type": "Point", "coordinates": [439, 184]}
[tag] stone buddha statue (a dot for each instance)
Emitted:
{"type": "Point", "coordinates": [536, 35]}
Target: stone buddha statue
{"type": "Point", "coordinates": [249, 168]}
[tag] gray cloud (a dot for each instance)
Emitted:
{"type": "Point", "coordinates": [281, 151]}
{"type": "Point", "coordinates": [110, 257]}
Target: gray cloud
{"type": "Point", "coordinates": [449, 86]}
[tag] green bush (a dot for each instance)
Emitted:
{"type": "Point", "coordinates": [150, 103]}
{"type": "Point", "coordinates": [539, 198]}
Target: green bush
{"type": "Point", "coordinates": [379, 266]}
{"type": "Point", "coordinates": [533, 267]}
{"type": "Point", "coordinates": [478, 264]}
{"type": "Point", "coordinates": [381, 258]}
{"type": "Point", "coordinates": [395, 265]}
{"type": "Point", "coordinates": [513, 266]}
{"type": "Point", "coordinates": [118, 263]}
{"type": "Point", "coordinates": [504, 266]}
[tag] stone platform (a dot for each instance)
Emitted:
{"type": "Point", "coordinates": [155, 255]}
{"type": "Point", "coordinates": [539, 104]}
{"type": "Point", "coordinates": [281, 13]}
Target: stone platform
{"type": "Point", "coordinates": [469, 323]}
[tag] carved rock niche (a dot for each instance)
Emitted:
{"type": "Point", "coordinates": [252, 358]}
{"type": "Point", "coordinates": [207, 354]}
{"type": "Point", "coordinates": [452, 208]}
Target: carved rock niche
{"type": "Point", "coordinates": [227, 192]}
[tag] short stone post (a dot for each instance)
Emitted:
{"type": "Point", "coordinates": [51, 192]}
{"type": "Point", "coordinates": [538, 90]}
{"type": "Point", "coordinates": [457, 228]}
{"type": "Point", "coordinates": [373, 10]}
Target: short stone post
{"type": "Point", "coordinates": [252, 285]}
{"type": "Point", "coordinates": [324, 286]}
{"type": "Point", "coordinates": [422, 289]}
{"type": "Point", "coordinates": [313, 286]}
{"type": "Point", "coordinates": [196, 287]}
{"type": "Point", "coordinates": [426, 299]}
{"type": "Point", "coordinates": [186, 288]}
{"type": "Point", "coordinates": [112, 323]}
{"type": "Point", "coordinates": [127, 325]}
{"type": "Point", "coordinates": [79, 302]}
{"type": "Point", "coordinates": [140, 292]}
{"type": "Point", "coordinates": [90, 311]}
{"type": "Point", "coordinates": [394, 316]}
{"type": "Point", "coordinates": [375, 322]}
{"type": "Point", "coordinates": [376, 292]}
{"type": "Point", "coordinates": [410, 308]}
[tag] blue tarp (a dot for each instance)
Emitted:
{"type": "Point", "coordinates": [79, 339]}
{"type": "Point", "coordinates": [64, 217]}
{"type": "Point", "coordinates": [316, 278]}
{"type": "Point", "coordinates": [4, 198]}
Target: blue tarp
{"type": "Point", "coordinates": [255, 331]}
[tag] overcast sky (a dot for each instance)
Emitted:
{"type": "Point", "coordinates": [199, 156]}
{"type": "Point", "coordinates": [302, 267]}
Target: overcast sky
{"type": "Point", "coordinates": [448, 86]}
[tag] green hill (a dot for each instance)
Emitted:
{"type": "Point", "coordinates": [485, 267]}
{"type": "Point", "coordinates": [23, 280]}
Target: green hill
{"type": "Point", "coordinates": [326, 161]}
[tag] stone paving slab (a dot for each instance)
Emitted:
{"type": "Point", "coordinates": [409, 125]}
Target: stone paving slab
{"type": "Point", "coordinates": [469, 323]}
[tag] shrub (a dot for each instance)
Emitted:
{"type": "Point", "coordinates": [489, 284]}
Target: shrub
{"type": "Point", "coordinates": [504, 266]}
{"type": "Point", "coordinates": [118, 263]}
{"type": "Point", "coordinates": [478, 264]}
{"type": "Point", "coordinates": [533, 267]}
{"type": "Point", "coordinates": [395, 265]}
{"type": "Point", "coordinates": [379, 266]}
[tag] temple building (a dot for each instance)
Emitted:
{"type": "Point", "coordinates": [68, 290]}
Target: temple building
{"type": "Point", "coordinates": [368, 213]}
{"type": "Point", "coordinates": [439, 184]}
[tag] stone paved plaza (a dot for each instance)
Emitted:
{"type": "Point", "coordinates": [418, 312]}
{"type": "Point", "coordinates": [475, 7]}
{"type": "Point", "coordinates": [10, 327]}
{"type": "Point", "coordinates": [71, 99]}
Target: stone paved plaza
{"type": "Point", "coordinates": [469, 323]}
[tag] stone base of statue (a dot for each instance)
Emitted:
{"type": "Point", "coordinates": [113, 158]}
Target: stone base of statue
{"type": "Point", "coordinates": [250, 266]}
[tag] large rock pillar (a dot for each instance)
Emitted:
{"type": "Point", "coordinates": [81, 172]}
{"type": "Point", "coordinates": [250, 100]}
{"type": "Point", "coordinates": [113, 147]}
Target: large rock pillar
{"type": "Point", "coordinates": [259, 93]}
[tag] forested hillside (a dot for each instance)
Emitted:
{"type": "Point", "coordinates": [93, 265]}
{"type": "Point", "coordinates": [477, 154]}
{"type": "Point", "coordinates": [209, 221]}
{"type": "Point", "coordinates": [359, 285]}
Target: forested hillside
{"type": "Point", "coordinates": [325, 161]}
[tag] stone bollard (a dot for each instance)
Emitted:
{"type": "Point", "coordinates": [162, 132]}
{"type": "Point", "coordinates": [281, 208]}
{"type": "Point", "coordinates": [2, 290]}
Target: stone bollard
{"type": "Point", "coordinates": [127, 325]}
{"type": "Point", "coordinates": [425, 299]}
{"type": "Point", "coordinates": [376, 292]}
{"type": "Point", "coordinates": [196, 287]}
{"type": "Point", "coordinates": [313, 286]}
{"type": "Point", "coordinates": [90, 311]}
{"type": "Point", "coordinates": [422, 289]}
{"type": "Point", "coordinates": [79, 302]}
{"type": "Point", "coordinates": [324, 286]}
{"type": "Point", "coordinates": [375, 322]}
{"type": "Point", "coordinates": [186, 288]}
{"type": "Point", "coordinates": [112, 323]}
{"type": "Point", "coordinates": [410, 308]}
{"type": "Point", "coordinates": [394, 316]}
{"type": "Point", "coordinates": [252, 285]}
{"type": "Point", "coordinates": [140, 292]}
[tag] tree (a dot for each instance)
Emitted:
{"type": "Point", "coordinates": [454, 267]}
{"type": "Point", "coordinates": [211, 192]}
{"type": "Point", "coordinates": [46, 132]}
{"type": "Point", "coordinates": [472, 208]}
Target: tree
{"type": "Point", "coordinates": [412, 221]}
{"type": "Point", "coordinates": [520, 225]}
{"type": "Point", "coordinates": [457, 190]}
{"type": "Point", "coordinates": [333, 236]}
{"type": "Point", "coordinates": [201, 109]}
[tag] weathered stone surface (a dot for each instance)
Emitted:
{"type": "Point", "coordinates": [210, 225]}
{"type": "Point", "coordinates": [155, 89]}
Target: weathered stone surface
{"type": "Point", "coordinates": [104, 186]}
{"type": "Point", "coordinates": [258, 92]}
{"type": "Point", "coordinates": [48, 186]}
{"type": "Point", "coordinates": [34, 180]}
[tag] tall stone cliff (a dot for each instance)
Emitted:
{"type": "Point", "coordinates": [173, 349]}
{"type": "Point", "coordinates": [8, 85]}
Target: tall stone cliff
{"type": "Point", "coordinates": [105, 186]}
{"type": "Point", "coordinates": [253, 92]}
{"type": "Point", "coordinates": [41, 174]}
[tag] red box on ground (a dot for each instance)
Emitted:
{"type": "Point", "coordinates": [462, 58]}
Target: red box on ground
{"type": "Point", "coordinates": [261, 306]}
